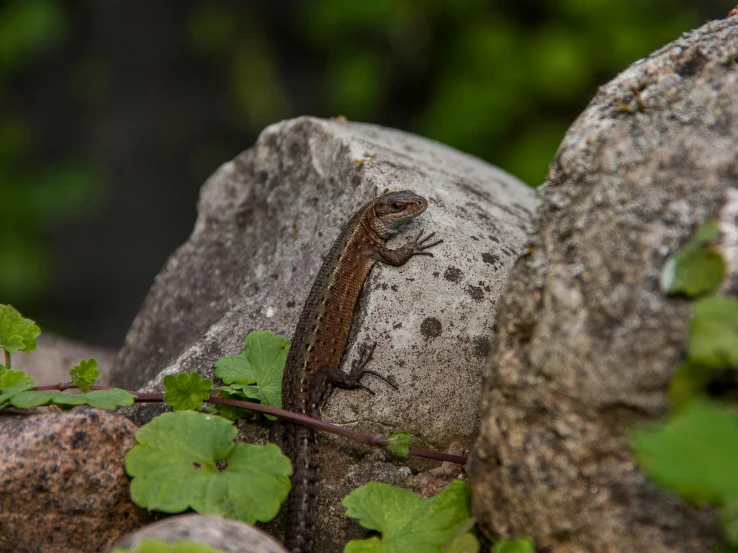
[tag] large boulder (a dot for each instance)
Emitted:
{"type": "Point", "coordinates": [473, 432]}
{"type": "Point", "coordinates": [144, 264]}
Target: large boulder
{"type": "Point", "coordinates": [266, 220]}
{"type": "Point", "coordinates": [586, 342]}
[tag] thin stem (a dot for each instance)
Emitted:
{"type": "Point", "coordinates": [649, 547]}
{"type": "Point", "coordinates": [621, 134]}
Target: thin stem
{"type": "Point", "coordinates": [7, 359]}
{"type": "Point", "coordinates": [371, 440]}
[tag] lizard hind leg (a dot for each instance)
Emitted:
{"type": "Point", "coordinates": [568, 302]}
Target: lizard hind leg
{"type": "Point", "coordinates": [331, 377]}
{"type": "Point", "coordinates": [352, 379]}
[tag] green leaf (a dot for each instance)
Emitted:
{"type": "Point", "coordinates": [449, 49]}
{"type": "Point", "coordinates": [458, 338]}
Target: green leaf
{"type": "Point", "coordinates": [699, 273]}
{"type": "Point", "coordinates": [84, 374]}
{"type": "Point", "coordinates": [31, 398]}
{"type": "Point", "coordinates": [688, 381]}
{"type": "Point", "coordinates": [694, 453]}
{"type": "Point", "coordinates": [399, 443]}
{"type": "Point", "coordinates": [729, 521]}
{"type": "Point", "coordinates": [68, 401]}
{"type": "Point", "coordinates": [234, 368]}
{"type": "Point", "coordinates": [706, 233]}
{"type": "Point", "coordinates": [268, 394]}
{"type": "Point", "coordinates": [713, 339]}
{"type": "Point", "coordinates": [188, 460]}
{"type": "Point", "coordinates": [465, 543]}
{"type": "Point", "coordinates": [186, 390]}
{"type": "Point", "coordinates": [257, 372]}
{"type": "Point", "coordinates": [14, 382]}
{"type": "Point", "coordinates": [695, 269]}
{"type": "Point", "coordinates": [105, 399]}
{"type": "Point", "coordinates": [523, 545]}
{"type": "Point", "coordinates": [158, 546]}
{"type": "Point", "coordinates": [408, 523]}
{"type": "Point", "coordinates": [100, 399]}
{"type": "Point", "coordinates": [226, 411]}
{"type": "Point", "coordinates": [17, 333]}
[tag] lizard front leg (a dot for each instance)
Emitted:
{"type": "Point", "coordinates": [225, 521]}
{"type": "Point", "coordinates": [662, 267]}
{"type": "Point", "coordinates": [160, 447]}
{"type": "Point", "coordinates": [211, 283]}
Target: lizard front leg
{"type": "Point", "coordinates": [401, 255]}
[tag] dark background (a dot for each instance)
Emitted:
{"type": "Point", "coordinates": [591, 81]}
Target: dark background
{"type": "Point", "coordinates": [114, 112]}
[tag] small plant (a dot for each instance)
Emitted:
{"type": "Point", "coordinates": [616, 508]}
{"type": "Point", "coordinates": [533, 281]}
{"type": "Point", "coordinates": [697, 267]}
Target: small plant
{"type": "Point", "coordinates": [16, 333]}
{"type": "Point", "coordinates": [257, 372]}
{"type": "Point", "coordinates": [407, 521]}
{"type": "Point", "coordinates": [694, 452]}
{"type": "Point", "coordinates": [188, 460]}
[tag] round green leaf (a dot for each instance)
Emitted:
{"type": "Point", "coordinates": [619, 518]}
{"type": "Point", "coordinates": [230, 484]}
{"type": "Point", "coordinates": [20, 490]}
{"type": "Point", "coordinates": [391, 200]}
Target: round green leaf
{"type": "Point", "coordinates": [188, 460]}
{"type": "Point", "coordinates": [407, 521]}
{"type": "Point", "coordinates": [17, 333]}
{"type": "Point", "coordinates": [694, 453]}
{"type": "Point", "coordinates": [186, 390]}
{"type": "Point", "coordinates": [713, 339]}
{"type": "Point", "coordinates": [13, 382]}
{"type": "Point", "coordinates": [84, 374]}
{"type": "Point", "coordinates": [31, 398]}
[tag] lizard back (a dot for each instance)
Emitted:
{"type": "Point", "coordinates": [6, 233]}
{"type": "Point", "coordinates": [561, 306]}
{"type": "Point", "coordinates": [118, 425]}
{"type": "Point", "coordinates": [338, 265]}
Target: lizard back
{"type": "Point", "coordinates": [314, 360]}
{"type": "Point", "coordinates": [324, 326]}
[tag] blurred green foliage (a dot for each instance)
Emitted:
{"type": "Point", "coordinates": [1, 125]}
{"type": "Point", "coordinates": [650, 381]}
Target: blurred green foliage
{"type": "Point", "coordinates": [27, 28]}
{"type": "Point", "coordinates": [501, 80]}
{"type": "Point", "coordinates": [693, 452]}
{"type": "Point", "coordinates": [498, 79]}
{"type": "Point", "coordinates": [32, 198]}
{"type": "Point", "coordinates": [504, 81]}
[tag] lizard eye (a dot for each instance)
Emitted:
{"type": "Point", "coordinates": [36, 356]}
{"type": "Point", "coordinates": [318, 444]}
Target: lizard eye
{"type": "Point", "coordinates": [396, 206]}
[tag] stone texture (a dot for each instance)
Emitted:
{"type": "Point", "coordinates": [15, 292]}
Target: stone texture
{"type": "Point", "coordinates": [265, 221]}
{"type": "Point", "coordinates": [52, 360]}
{"type": "Point", "coordinates": [586, 343]}
{"type": "Point", "coordinates": [63, 487]}
{"type": "Point", "coordinates": [217, 532]}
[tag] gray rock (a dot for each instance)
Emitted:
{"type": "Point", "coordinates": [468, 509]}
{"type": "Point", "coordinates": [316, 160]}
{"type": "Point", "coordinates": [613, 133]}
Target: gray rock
{"type": "Point", "coordinates": [63, 487]}
{"type": "Point", "coordinates": [265, 221]}
{"type": "Point", "coordinates": [56, 355]}
{"type": "Point", "coordinates": [216, 532]}
{"type": "Point", "coordinates": [587, 343]}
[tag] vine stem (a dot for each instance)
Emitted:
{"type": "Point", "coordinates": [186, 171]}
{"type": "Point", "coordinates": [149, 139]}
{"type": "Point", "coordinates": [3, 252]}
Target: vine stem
{"type": "Point", "coordinates": [370, 440]}
{"type": "Point", "coordinates": [7, 359]}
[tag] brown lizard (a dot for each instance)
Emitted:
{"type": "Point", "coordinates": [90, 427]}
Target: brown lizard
{"type": "Point", "coordinates": [313, 366]}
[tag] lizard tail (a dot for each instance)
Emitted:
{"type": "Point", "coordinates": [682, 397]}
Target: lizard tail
{"type": "Point", "coordinates": [302, 506]}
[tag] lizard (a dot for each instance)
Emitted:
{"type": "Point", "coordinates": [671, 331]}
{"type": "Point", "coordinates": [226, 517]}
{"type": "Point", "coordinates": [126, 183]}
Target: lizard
{"type": "Point", "coordinates": [313, 365]}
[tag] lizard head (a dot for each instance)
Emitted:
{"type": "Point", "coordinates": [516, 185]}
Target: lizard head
{"type": "Point", "coordinates": [394, 209]}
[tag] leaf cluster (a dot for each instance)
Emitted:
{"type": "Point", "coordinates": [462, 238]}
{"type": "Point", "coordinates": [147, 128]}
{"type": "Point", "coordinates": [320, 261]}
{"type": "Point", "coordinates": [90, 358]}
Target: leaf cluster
{"type": "Point", "coordinates": [697, 268]}
{"type": "Point", "coordinates": [712, 345]}
{"type": "Point", "coordinates": [255, 374]}
{"type": "Point", "coordinates": [17, 333]}
{"type": "Point", "coordinates": [693, 453]}
{"type": "Point", "coordinates": [188, 460]}
{"type": "Point", "coordinates": [407, 522]}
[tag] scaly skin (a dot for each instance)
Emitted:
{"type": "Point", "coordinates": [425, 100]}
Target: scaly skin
{"type": "Point", "coordinates": [313, 364]}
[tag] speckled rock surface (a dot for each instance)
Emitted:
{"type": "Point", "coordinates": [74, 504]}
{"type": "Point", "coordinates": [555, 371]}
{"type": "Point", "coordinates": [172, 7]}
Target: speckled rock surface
{"type": "Point", "coordinates": [587, 343]}
{"type": "Point", "coordinates": [63, 487]}
{"type": "Point", "coordinates": [265, 221]}
{"type": "Point", "coordinates": [217, 532]}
